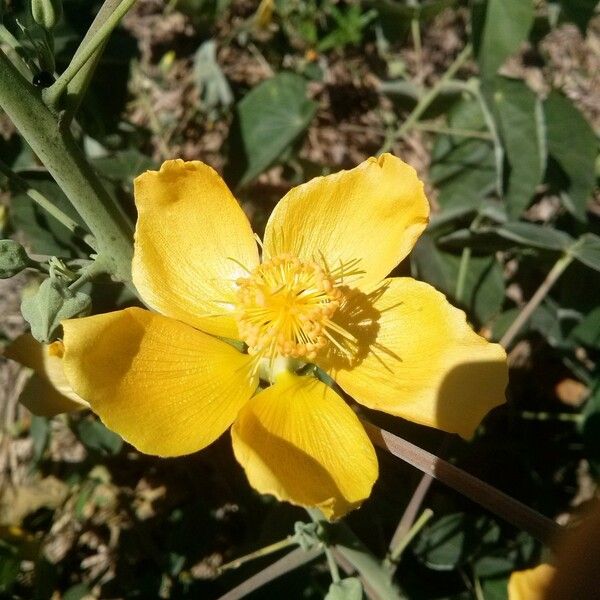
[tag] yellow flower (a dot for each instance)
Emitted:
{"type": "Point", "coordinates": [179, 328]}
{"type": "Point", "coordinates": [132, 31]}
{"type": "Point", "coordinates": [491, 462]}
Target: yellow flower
{"type": "Point", "coordinates": [531, 584]}
{"type": "Point", "coordinates": [170, 387]}
{"type": "Point", "coordinates": [47, 393]}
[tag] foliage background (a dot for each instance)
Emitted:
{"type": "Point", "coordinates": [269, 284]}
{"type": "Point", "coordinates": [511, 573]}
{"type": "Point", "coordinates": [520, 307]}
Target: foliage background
{"type": "Point", "coordinates": [508, 149]}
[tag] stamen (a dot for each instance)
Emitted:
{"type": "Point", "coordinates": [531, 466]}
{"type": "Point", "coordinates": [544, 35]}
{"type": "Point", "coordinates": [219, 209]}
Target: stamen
{"type": "Point", "coordinates": [285, 308]}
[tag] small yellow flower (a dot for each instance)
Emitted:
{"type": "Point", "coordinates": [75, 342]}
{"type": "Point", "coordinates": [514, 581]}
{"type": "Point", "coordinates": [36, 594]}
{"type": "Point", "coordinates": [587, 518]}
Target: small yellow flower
{"type": "Point", "coordinates": [169, 386]}
{"type": "Point", "coordinates": [48, 392]}
{"type": "Point", "coordinates": [531, 584]}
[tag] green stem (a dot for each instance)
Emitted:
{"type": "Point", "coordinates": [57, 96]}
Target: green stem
{"type": "Point", "coordinates": [463, 269]}
{"type": "Point", "coordinates": [557, 270]}
{"type": "Point", "coordinates": [468, 133]}
{"type": "Point", "coordinates": [53, 94]}
{"type": "Point", "coordinates": [333, 568]}
{"type": "Point", "coordinates": [375, 577]}
{"type": "Point", "coordinates": [61, 155]}
{"type": "Point", "coordinates": [270, 549]}
{"type": "Point", "coordinates": [415, 29]}
{"type": "Point", "coordinates": [78, 85]}
{"type": "Point", "coordinates": [498, 147]}
{"type": "Point", "coordinates": [428, 98]}
{"type": "Point", "coordinates": [396, 553]}
{"type": "Point", "coordinates": [89, 272]}
{"type": "Point", "coordinates": [45, 204]}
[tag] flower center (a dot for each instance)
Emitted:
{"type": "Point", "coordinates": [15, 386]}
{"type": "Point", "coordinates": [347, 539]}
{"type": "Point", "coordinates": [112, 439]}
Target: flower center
{"type": "Point", "coordinates": [285, 308]}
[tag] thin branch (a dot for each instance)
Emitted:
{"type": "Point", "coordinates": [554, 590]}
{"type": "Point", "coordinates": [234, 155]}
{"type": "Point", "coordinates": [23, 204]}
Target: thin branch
{"type": "Point", "coordinates": [53, 94]}
{"type": "Point", "coordinates": [397, 551]}
{"type": "Point", "coordinates": [275, 547]}
{"type": "Point", "coordinates": [497, 502]}
{"type": "Point", "coordinates": [557, 270]}
{"type": "Point", "coordinates": [295, 559]}
{"type": "Point", "coordinates": [411, 511]}
{"type": "Point", "coordinates": [426, 101]}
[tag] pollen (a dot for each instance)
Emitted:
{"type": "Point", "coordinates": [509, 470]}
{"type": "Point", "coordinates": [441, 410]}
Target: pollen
{"type": "Point", "coordinates": [285, 308]}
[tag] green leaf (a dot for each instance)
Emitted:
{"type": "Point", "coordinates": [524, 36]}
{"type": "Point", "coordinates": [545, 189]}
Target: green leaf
{"type": "Point", "coordinates": [212, 83]}
{"type": "Point", "coordinates": [453, 539]}
{"type": "Point", "coordinates": [123, 166]}
{"type": "Point", "coordinates": [463, 169]}
{"type": "Point", "coordinates": [346, 589]}
{"type": "Point", "coordinates": [483, 240]}
{"type": "Point", "coordinates": [9, 568]}
{"type": "Point", "coordinates": [76, 592]}
{"type": "Point", "coordinates": [44, 234]}
{"type": "Point", "coordinates": [521, 119]}
{"type": "Point", "coordinates": [536, 236]}
{"type": "Point", "coordinates": [572, 143]}
{"type": "Point", "coordinates": [587, 251]}
{"type": "Point", "coordinates": [40, 434]}
{"type": "Point", "coordinates": [94, 435]}
{"type": "Point", "coordinates": [495, 589]}
{"type": "Point", "coordinates": [587, 331]}
{"type": "Point", "coordinates": [505, 27]}
{"type": "Point", "coordinates": [483, 294]}
{"type": "Point", "coordinates": [13, 258]}
{"type": "Point", "coordinates": [49, 305]}
{"type": "Point", "coordinates": [271, 117]}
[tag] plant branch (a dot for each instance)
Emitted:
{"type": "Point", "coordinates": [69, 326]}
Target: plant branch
{"type": "Point", "coordinates": [468, 133]}
{"type": "Point", "coordinates": [497, 502]}
{"type": "Point", "coordinates": [557, 270]}
{"type": "Point", "coordinates": [426, 101]}
{"type": "Point", "coordinates": [411, 511]}
{"type": "Point", "coordinates": [396, 552]}
{"type": "Point", "coordinates": [63, 158]}
{"type": "Point", "coordinates": [333, 568]}
{"type": "Point", "coordinates": [275, 547]}
{"type": "Point", "coordinates": [376, 579]}
{"type": "Point", "coordinates": [95, 41]}
{"type": "Point", "coordinates": [295, 559]}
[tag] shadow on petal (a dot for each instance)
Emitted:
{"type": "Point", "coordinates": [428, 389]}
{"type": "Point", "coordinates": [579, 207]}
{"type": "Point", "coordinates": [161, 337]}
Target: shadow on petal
{"type": "Point", "coordinates": [275, 466]}
{"type": "Point", "coordinates": [468, 392]}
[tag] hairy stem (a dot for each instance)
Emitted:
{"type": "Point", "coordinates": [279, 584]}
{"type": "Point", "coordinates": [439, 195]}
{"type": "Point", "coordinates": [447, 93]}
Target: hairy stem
{"type": "Point", "coordinates": [60, 154]}
{"type": "Point", "coordinates": [376, 579]}
{"type": "Point", "coordinates": [88, 49]}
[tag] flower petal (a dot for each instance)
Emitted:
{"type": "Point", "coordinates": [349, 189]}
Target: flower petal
{"type": "Point", "coordinates": [165, 387]}
{"type": "Point", "coordinates": [341, 218]}
{"type": "Point", "coordinates": [299, 441]}
{"type": "Point", "coordinates": [531, 584]}
{"type": "Point", "coordinates": [418, 358]}
{"type": "Point", "coordinates": [47, 392]}
{"type": "Point", "coordinates": [192, 242]}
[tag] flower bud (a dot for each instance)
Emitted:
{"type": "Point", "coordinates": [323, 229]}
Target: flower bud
{"type": "Point", "coordinates": [46, 13]}
{"type": "Point", "coordinates": [13, 258]}
{"type": "Point", "coordinates": [52, 303]}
